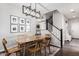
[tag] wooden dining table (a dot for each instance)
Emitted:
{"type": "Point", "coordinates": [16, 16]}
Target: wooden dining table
{"type": "Point", "coordinates": [27, 39]}
{"type": "Point", "coordinates": [30, 38]}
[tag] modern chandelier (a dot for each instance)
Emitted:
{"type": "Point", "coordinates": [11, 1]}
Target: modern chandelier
{"type": "Point", "coordinates": [28, 11]}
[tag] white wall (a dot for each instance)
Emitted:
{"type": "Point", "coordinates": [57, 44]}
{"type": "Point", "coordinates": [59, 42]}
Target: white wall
{"type": "Point", "coordinates": [59, 21]}
{"type": "Point", "coordinates": [6, 10]}
{"type": "Point", "coordinates": [66, 35]}
{"type": "Point", "coordinates": [74, 27]}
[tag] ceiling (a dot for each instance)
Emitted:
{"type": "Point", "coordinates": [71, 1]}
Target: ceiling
{"type": "Point", "coordinates": [64, 8]}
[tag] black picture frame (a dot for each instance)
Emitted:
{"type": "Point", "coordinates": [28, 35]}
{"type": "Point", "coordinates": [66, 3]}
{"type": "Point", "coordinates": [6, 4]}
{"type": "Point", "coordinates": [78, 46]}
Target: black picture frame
{"type": "Point", "coordinates": [22, 28]}
{"type": "Point", "coordinates": [22, 21]}
{"type": "Point", "coordinates": [13, 19]}
{"type": "Point", "coordinates": [13, 28]}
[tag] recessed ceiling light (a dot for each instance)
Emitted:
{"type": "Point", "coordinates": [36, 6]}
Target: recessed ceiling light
{"type": "Point", "coordinates": [72, 10]}
{"type": "Point", "coordinates": [73, 16]}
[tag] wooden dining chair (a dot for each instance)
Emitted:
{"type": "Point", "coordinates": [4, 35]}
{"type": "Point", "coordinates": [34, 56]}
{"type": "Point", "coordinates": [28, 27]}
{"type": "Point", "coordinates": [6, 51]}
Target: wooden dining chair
{"type": "Point", "coordinates": [9, 51]}
{"type": "Point", "coordinates": [46, 43]}
{"type": "Point", "coordinates": [34, 48]}
{"type": "Point", "coordinates": [22, 44]}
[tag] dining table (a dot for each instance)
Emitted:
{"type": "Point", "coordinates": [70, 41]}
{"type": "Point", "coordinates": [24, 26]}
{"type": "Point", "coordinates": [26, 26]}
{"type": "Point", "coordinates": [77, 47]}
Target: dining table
{"type": "Point", "coordinates": [26, 39]}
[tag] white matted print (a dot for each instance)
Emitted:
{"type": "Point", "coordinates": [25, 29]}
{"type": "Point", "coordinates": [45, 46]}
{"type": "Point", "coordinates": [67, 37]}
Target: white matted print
{"type": "Point", "coordinates": [14, 19]}
{"type": "Point", "coordinates": [27, 28]}
{"type": "Point", "coordinates": [14, 28]}
{"type": "Point", "coordinates": [27, 21]}
{"type": "Point", "coordinates": [22, 28]}
{"type": "Point", "coordinates": [22, 21]}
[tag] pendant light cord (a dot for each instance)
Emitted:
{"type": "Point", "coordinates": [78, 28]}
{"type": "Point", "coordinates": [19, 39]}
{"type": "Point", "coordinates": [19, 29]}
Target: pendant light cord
{"type": "Point", "coordinates": [43, 7]}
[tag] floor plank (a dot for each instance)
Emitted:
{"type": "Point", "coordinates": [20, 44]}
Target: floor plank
{"type": "Point", "coordinates": [70, 49]}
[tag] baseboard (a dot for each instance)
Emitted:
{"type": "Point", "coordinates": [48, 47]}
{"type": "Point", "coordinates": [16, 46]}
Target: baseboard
{"type": "Point", "coordinates": [2, 52]}
{"type": "Point", "coordinates": [56, 52]}
{"type": "Point", "coordinates": [75, 38]}
{"type": "Point", "coordinates": [54, 45]}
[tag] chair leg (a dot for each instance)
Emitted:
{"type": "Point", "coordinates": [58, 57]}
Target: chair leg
{"type": "Point", "coordinates": [49, 50]}
{"type": "Point", "coordinates": [17, 54]}
{"type": "Point", "coordinates": [45, 51]}
{"type": "Point", "coordinates": [6, 54]}
{"type": "Point", "coordinates": [40, 52]}
{"type": "Point", "coordinates": [20, 53]}
{"type": "Point", "coordinates": [34, 53]}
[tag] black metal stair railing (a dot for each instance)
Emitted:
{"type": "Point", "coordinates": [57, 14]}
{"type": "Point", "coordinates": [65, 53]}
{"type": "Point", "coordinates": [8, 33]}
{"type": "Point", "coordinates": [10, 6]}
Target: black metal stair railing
{"type": "Point", "coordinates": [60, 30]}
{"type": "Point", "coordinates": [61, 34]}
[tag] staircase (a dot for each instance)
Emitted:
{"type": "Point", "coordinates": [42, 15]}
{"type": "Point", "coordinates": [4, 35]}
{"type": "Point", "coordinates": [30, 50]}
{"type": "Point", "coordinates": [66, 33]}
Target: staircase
{"type": "Point", "coordinates": [57, 35]}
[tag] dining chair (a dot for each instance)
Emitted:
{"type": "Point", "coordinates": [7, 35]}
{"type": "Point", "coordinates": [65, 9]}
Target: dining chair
{"type": "Point", "coordinates": [22, 43]}
{"type": "Point", "coordinates": [34, 47]}
{"type": "Point", "coordinates": [9, 51]}
{"type": "Point", "coordinates": [46, 43]}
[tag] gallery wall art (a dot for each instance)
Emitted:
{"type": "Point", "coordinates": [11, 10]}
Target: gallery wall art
{"type": "Point", "coordinates": [19, 24]}
{"type": "Point", "coordinates": [14, 28]}
{"type": "Point", "coordinates": [14, 20]}
{"type": "Point", "coordinates": [22, 21]}
{"type": "Point", "coordinates": [22, 28]}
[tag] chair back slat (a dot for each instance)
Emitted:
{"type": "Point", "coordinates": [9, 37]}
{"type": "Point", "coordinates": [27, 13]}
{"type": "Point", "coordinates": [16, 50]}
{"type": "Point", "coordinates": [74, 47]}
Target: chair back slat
{"type": "Point", "coordinates": [47, 39]}
{"type": "Point", "coordinates": [38, 43]}
{"type": "Point", "coordinates": [4, 45]}
{"type": "Point", "coordinates": [35, 44]}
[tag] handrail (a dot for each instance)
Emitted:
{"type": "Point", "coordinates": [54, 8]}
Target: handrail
{"type": "Point", "coordinates": [52, 25]}
{"type": "Point", "coordinates": [55, 36]}
{"type": "Point", "coordinates": [56, 27]}
{"type": "Point", "coordinates": [61, 35]}
{"type": "Point", "coordinates": [61, 38]}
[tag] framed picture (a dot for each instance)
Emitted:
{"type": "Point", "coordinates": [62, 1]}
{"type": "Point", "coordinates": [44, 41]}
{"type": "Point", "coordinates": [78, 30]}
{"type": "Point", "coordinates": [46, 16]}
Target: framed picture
{"type": "Point", "coordinates": [22, 21]}
{"type": "Point", "coordinates": [14, 28]}
{"type": "Point", "coordinates": [27, 21]}
{"type": "Point", "coordinates": [42, 25]}
{"type": "Point", "coordinates": [14, 19]}
{"type": "Point", "coordinates": [27, 28]}
{"type": "Point", "coordinates": [22, 28]}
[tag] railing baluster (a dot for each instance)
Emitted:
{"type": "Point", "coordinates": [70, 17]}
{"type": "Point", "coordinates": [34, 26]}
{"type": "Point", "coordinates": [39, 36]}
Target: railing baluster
{"type": "Point", "coordinates": [61, 38]}
{"type": "Point", "coordinates": [61, 35]}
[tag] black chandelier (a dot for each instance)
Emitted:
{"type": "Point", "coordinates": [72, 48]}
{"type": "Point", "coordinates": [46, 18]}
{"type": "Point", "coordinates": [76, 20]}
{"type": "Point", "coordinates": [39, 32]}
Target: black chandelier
{"type": "Point", "coordinates": [28, 11]}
